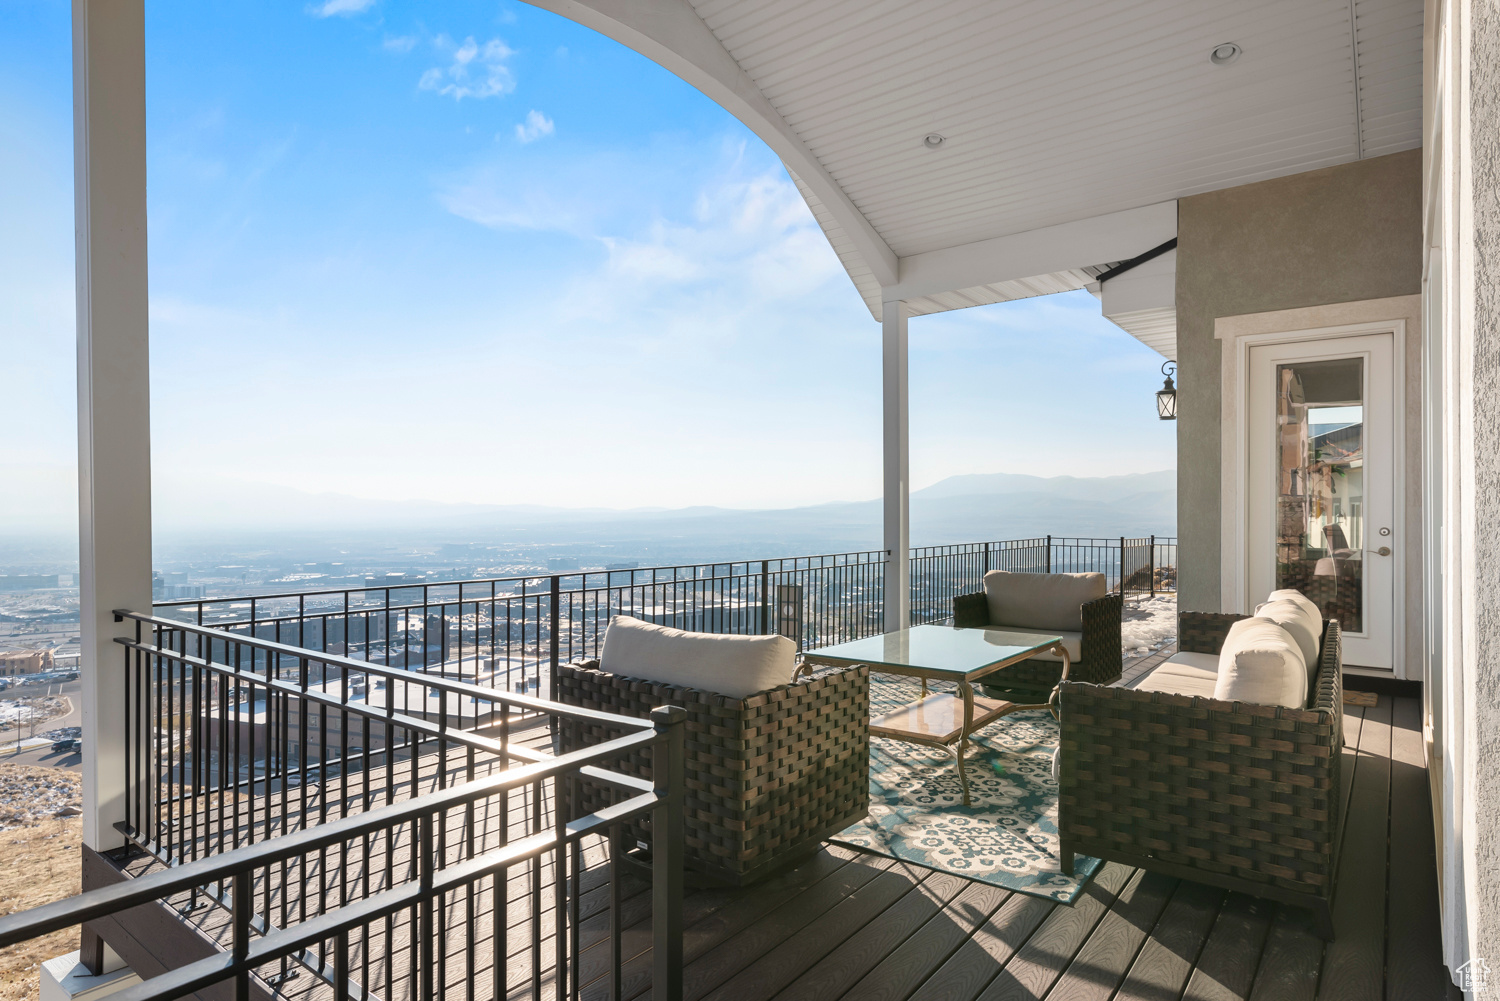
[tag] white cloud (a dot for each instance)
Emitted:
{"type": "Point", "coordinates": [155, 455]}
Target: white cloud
{"type": "Point", "coordinates": [475, 70]}
{"type": "Point", "coordinates": [535, 126]}
{"type": "Point", "coordinates": [342, 8]}
{"type": "Point", "coordinates": [400, 43]}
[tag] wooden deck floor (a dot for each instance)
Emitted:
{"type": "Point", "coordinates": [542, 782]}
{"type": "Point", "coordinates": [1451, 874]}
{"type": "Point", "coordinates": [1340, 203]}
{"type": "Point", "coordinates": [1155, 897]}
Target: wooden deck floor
{"type": "Point", "coordinates": [848, 926]}
{"type": "Point", "coordinates": [845, 926]}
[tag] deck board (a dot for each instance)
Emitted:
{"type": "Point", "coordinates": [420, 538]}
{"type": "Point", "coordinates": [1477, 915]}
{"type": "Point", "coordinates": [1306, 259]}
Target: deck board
{"type": "Point", "coordinates": [1105, 958]}
{"type": "Point", "coordinates": [1170, 952]}
{"type": "Point", "coordinates": [884, 930]}
{"type": "Point", "coordinates": [1290, 961]}
{"type": "Point", "coordinates": [1226, 967]}
{"type": "Point", "coordinates": [901, 972]}
{"type": "Point", "coordinates": [857, 922]}
{"type": "Point", "coordinates": [1033, 970]}
{"type": "Point", "coordinates": [974, 963]}
{"type": "Point", "coordinates": [1412, 916]}
{"type": "Point", "coordinates": [806, 909]}
{"type": "Point", "coordinates": [1354, 962]}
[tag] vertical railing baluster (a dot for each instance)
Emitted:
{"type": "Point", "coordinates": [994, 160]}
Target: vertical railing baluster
{"type": "Point", "coordinates": [614, 844]}
{"type": "Point", "coordinates": [243, 906]}
{"type": "Point", "coordinates": [666, 854]}
{"type": "Point", "coordinates": [555, 606]}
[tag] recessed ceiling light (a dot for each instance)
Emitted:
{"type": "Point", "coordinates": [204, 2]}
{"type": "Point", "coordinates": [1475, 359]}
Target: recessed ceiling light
{"type": "Point", "coordinates": [1224, 53]}
{"type": "Point", "coordinates": [932, 140]}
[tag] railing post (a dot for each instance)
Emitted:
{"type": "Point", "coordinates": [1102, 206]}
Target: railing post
{"type": "Point", "coordinates": [556, 614]}
{"type": "Point", "coordinates": [1151, 565]}
{"type": "Point", "coordinates": [666, 855]}
{"type": "Point", "coordinates": [1049, 554]}
{"type": "Point", "coordinates": [765, 597]}
{"type": "Point", "coordinates": [1122, 564]}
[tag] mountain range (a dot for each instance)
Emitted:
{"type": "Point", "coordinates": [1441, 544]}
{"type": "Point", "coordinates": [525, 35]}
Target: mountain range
{"type": "Point", "coordinates": [957, 509]}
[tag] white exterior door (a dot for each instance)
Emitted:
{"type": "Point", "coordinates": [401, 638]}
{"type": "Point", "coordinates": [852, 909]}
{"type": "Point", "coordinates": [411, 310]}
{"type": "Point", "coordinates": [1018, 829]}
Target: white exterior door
{"type": "Point", "coordinates": [1320, 514]}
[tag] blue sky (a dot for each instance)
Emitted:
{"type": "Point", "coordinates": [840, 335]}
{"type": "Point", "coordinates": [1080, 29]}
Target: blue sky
{"type": "Point", "coordinates": [475, 252]}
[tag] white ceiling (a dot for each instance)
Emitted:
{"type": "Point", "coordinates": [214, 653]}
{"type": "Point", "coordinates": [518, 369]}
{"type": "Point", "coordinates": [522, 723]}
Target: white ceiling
{"type": "Point", "coordinates": [1053, 110]}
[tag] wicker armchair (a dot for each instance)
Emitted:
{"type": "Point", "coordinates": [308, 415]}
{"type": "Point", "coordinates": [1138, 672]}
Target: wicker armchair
{"type": "Point", "coordinates": [1101, 649]}
{"type": "Point", "coordinates": [768, 777]}
{"type": "Point", "coordinates": [1241, 796]}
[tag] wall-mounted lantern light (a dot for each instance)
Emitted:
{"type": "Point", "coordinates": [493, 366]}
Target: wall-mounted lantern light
{"type": "Point", "coordinates": [1166, 397]}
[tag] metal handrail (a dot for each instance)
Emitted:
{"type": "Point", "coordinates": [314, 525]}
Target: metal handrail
{"type": "Point", "coordinates": [442, 684]}
{"type": "Point", "coordinates": [369, 588]}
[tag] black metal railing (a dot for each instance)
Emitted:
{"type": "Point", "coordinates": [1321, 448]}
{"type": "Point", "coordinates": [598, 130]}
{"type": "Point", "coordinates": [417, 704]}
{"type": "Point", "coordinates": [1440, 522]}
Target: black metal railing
{"type": "Point", "coordinates": [510, 633]}
{"type": "Point", "coordinates": [941, 573]}
{"type": "Point", "coordinates": [437, 857]}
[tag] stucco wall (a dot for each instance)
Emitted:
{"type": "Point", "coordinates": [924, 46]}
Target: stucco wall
{"type": "Point", "coordinates": [1340, 234]}
{"type": "Point", "coordinates": [1483, 725]}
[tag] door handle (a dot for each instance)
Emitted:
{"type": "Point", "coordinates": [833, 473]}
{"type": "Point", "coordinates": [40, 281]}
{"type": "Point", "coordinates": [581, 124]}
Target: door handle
{"type": "Point", "coordinates": [1382, 551]}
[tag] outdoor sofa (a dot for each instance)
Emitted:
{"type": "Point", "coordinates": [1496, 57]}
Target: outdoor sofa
{"type": "Point", "coordinates": [1073, 606]}
{"type": "Point", "coordinates": [1235, 794]}
{"type": "Point", "coordinates": [769, 775]}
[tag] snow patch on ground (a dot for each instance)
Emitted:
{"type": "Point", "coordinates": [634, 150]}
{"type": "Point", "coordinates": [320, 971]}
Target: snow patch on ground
{"type": "Point", "coordinates": [1147, 624]}
{"type": "Point", "coordinates": [29, 795]}
{"type": "Point", "coordinates": [38, 710]}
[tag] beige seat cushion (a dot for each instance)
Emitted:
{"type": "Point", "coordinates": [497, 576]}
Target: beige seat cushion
{"type": "Point", "coordinates": [737, 666]}
{"type": "Point", "coordinates": [1262, 664]}
{"type": "Point", "coordinates": [1051, 601]}
{"type": "Point", "coordinates": [1072, 642]}
{"type": "Point", "coordinates": [1192, 674]}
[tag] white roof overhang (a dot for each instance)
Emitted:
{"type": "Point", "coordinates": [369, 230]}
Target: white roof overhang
{"type": "Point", "coordinates": [1071, 126]}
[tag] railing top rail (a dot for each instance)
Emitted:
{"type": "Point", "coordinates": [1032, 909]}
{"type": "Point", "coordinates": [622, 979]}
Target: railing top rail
{"type": "Point", "coordinates": [875, 555]}
{"type": "Point", "coordinates": [157, 885]}
{"type": "Point", "coordinates": [446, 685]}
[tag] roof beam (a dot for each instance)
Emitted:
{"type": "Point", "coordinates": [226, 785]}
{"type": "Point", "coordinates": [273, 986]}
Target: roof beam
{"type": "Point", "coordinates": [1117, 236]}
{"type": "Point", "coordinates": [671, 34]}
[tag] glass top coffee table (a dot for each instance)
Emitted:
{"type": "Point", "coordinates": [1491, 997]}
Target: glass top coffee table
{"type": "Point", "coordinates": [943, 653]}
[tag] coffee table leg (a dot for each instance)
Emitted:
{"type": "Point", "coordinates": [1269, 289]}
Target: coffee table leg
{"type": "Point", "coordinates": [967, 691]}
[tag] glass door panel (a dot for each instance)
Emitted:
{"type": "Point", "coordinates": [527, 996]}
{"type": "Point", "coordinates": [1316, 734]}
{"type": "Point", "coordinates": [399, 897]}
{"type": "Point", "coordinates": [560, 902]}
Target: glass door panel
{"type": "Point", "coordinates": [1320, 487]}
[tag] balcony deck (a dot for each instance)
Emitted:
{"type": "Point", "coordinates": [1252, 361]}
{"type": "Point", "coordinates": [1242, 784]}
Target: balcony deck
{"type": "Point", "coordinates": [847, 926]}
{"type": "Point", "coordinates": [843, 925]}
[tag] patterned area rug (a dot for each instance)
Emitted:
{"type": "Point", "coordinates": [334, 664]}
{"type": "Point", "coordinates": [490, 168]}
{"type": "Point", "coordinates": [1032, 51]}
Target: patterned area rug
{"type": "Point", "coordinates": [1007, 837]}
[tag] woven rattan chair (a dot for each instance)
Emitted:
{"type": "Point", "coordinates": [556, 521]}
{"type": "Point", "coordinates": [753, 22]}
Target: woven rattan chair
{"type": "Point", "coordinates": [768, 777]}
{"type": "Point", "coordinates": [1101, 650]}
{"type": "Point", "coordinates": [1236, 795]}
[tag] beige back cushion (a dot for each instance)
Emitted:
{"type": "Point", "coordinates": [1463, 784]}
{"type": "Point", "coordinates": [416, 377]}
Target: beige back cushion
{"type": "Point", "coordinates": [1262, 664]}
{"type": "Point", "coordinates": [737, 666]}
{"type": "Point", "coordinates": [1310, 607]}
{"type": "Point", "coordinates": [1041, 600]}
{"type": "Point", "coordinates": [1305, 628]}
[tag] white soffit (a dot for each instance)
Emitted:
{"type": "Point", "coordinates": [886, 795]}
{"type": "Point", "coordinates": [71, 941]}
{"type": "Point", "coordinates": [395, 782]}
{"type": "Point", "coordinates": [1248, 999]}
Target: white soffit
{"type": "Point", "coordinates": [1053, 110]}
{"type": "Point", "coordinates": [1143, 302]}
{"type": "Point", "coordinates": [1155, 328]}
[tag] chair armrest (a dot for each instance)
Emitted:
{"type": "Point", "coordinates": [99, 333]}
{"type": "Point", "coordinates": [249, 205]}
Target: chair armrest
{"type": "Point", "coordinates": [1228, 787]}
{"type": "Point", "coordinates": [1328, 686]}
{"type": "Point", "coordinates": [1102, 648]}
{"type": "Point", "coordinates": [1204, 632]}
{"type": "Point", "coordinates": [971, 611]}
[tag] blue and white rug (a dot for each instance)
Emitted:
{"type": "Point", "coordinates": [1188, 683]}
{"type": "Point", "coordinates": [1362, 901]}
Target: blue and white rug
{"type": "Point", "coordinates": [1007, 836]}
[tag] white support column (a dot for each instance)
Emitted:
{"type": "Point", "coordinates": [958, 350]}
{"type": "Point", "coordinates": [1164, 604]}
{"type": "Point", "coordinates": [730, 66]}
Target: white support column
{"type": "Point", "coordinates": [114, 419]}
{"type": "Point", "coordinates": [897, 468]}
